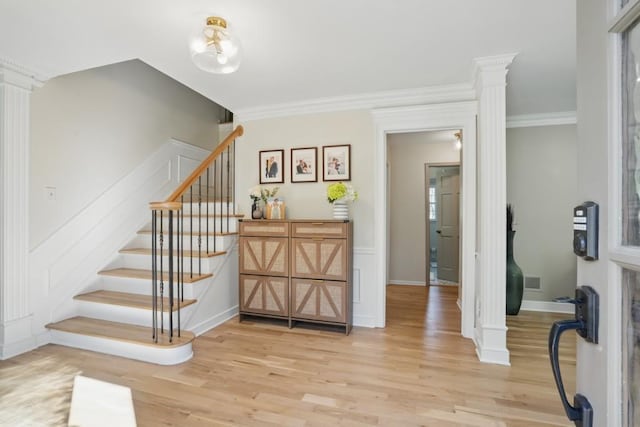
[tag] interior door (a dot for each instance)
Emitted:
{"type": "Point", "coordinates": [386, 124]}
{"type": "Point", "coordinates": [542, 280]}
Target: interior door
{"type": "Point", "coordinates": [448, 222]}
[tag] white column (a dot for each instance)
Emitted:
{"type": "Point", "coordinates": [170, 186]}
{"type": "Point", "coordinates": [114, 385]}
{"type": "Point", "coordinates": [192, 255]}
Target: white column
{"type": "Point", "coordinates": [16, 85]}
{"type": "Point", "coordinates": [491, 331]}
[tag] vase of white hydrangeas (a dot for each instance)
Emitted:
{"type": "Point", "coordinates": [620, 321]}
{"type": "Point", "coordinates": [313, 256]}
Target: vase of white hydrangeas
{"type": "Point", "coordinates": [339, 195]}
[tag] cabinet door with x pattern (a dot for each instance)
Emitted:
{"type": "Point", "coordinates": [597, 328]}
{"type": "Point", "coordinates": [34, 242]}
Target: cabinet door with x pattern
{"type": "Point", "coordinates": [319, 258]}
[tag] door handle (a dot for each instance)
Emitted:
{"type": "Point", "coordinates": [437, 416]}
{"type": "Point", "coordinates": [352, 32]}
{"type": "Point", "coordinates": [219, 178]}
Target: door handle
{"type": "Point", "coordinates": [586, 325]}
{"type": "Point", "coordinates": [439, 231]}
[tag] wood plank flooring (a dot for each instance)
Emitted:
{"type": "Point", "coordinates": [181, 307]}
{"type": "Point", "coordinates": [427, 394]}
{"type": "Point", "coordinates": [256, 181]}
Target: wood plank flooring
{"type": "Point", "coordinates": [418, 371]}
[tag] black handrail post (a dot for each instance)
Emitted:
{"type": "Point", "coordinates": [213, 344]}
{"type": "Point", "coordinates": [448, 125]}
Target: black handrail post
{"type": "Point", "coordinates": [154, 276]}
{"type": "Point", "coordinates": [171, 236]}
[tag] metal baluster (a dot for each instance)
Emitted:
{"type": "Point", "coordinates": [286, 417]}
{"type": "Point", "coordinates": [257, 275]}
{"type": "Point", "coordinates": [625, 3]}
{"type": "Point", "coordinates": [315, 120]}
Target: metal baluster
{"type": "Point", "coordinates": [191, 233]}
{"type": "Point", "coordinates": [154, 276]}
{"type": "Point", "coordinates": [180, 261]}
{"type": "Point", "coordinates": [207, 220]}
{"type": "Point", "coordinates": [221, 189]}
{"type": "Point", "coordinates": [234, 177]}
{"type": "Point", "coordinates": [215, 192]}
{"type": "Point", "coordinates": [200, 224]}
{"type": "Point", "coordinates": [171, 236]}
{"type": "Point", "coordinates": [161, 273]}
{"type": "Point", "coordinates": [228, 184]}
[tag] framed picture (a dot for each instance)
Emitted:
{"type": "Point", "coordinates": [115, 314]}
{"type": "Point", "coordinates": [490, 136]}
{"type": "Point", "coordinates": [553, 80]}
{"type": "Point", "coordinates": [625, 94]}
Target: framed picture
{"type": "Point", "coordinates": [271, 166]}
{"type": "Point", "coordinates": [336, 162]}
{"type": "Point", "coordinates": [304, 164]}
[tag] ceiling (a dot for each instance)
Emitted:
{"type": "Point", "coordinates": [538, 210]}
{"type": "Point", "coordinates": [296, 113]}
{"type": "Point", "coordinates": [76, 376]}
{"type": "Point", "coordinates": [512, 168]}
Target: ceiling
{"type": "Point", "coordinates": [296, 51]}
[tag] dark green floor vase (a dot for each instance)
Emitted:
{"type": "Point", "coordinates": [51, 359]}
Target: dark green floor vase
{"type": "Point", "coordinates": [515, 279]}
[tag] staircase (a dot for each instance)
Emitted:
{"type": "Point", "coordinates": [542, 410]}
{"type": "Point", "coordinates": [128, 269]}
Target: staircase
{"type": "Point", "coordinates": [175, 279]}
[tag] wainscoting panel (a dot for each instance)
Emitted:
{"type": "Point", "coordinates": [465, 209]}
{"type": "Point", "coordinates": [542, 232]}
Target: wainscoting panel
{"type": "Point", "coordinates": [66, 263]}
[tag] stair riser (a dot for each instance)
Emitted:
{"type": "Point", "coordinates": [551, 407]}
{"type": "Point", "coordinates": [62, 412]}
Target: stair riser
{"type": "Point", "coordinates": [197, 224]}
{"type": "Point", "coordinates": [223, 208]}
{"type": "Point", "coordinates": [222, 243]}
{"type": "Point", "coordinates": [143, 287]}
{"type": "Point", "coordinates": [134, 316]}
{"type": "Point", "coordinates": [189, 264]}
{"type": "Point", "coordinates": [149, 354]}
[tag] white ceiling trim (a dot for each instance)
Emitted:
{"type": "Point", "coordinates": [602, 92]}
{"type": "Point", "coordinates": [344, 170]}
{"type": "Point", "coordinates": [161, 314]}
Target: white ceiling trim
{"type": "Point", "coordinates": [547, 119]}
{"type": "Point", "coordinates": [407, 97]}
{"type": "Point", "coordinates": [37, 75]}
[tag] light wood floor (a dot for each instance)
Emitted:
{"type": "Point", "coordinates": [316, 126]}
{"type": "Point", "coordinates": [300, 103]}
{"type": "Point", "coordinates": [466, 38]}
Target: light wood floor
{"type": "Point", "coordinates": [416, 371]}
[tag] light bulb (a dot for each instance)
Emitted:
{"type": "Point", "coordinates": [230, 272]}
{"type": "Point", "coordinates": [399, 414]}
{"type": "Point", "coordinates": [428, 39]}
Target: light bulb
{"type": "Point", "coordinates": [214, 49]}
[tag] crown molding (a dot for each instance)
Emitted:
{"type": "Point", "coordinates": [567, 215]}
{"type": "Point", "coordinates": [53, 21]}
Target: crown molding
{"type": "Point", "coordinates": [21, 75]}
{"type": "Point", "coordinates": [406, 97]}
{"type": "Point", "coordinates": [491, 70]}
{"type": "Point", "coordinates": [546, 119]}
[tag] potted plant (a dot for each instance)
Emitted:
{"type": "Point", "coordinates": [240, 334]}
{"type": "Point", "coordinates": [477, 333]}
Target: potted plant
{"type": "Point", "coordinates": [339, 194]}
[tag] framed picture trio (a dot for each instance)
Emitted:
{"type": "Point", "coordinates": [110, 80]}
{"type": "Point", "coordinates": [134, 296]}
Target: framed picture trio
{"type": "Point", "coordinates": [335, 164]}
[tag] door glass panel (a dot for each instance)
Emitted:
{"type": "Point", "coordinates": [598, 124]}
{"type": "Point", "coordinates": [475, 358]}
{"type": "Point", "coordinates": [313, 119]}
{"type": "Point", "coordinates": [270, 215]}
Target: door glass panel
{"type": "Point", "coordinates": [631, 346]}
{"type": "Point", "coordinates": [631, 136]}
{"type": "Point", "coordinates": [630, 230]}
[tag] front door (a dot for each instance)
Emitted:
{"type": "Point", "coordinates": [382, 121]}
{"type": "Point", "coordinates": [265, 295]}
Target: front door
{"type": "Point", "coordinates": [608, 132]}
{"type": "Point", "coordinates": [448, 220]}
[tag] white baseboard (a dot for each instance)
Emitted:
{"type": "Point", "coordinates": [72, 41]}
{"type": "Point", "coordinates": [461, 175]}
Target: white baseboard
{"type": "Point", "coordinates": [364, 321]}
{"type": "Point", "coordinates": [214, 321]}
{"type": "Point", "coordinates": [406, 282]}
{"type": "Point", "coordinates": [548, 306]}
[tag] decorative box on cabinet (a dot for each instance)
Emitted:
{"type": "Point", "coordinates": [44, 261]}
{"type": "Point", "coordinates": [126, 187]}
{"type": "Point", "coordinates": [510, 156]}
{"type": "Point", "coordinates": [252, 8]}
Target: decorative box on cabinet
{"type": "Point", "coordinates": [319, 273]}
{"type": "Point", "coordinates": [264, 268]}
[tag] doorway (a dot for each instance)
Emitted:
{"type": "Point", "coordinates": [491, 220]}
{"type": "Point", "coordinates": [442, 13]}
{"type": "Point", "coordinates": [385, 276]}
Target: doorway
{"type": "Point", "coordinates": [409, 250]}
{"type": "Point", "coordinates": [390, 121]}
{"type": "Point", "coordinates": [442, 217]}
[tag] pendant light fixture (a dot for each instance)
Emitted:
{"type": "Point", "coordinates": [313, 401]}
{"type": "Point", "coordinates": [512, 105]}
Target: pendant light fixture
{"type": "Point", "coordinates": [214, 48]}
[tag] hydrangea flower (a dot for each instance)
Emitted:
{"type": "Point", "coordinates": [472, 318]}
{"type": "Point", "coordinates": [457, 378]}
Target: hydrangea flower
{"type": "Point", "coordinates": [341, 191]}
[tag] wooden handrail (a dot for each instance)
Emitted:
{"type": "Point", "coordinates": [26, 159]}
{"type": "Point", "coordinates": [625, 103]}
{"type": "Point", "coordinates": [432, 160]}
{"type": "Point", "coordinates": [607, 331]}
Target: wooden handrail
{"type": "Point", "coordinates": [175, 196]}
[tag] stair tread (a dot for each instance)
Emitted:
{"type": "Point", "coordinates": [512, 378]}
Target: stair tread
{"type": "Point", "coordinates": [193, 254]}
{"type": "Point", "coordinates": [134, 273]}
{"type": "Point", "coordinates": [195, 233]}
{"type": "Point", "coordinates": [119, 331]}
{"type": "Point", "coordinates": [129, 300]}
{"type": "Point", "coordinates": [211, 215]}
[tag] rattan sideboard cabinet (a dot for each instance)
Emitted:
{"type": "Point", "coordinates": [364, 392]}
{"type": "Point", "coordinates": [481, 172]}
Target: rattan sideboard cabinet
{"type": "Point", "coordinates": [264, 268]}
{"type": "Point", "coordinates": [320, 272]}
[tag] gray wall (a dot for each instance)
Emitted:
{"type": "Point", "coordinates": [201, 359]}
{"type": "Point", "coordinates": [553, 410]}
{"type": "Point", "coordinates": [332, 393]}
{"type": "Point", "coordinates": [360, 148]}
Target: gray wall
{"type": "Point", "coordinates": [542, 186]}
{"type": "Point", "coordinates": [408, 153]}
{"type": "Point", "coordinates": [89, 129]}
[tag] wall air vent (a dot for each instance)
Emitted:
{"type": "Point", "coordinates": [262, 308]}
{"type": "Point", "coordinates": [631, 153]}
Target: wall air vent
{"type": "Point", "coordinates": [532, 283]}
